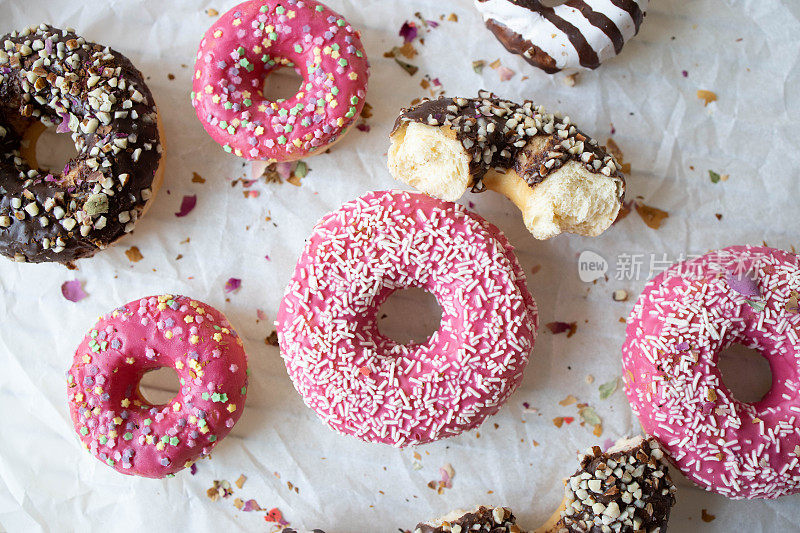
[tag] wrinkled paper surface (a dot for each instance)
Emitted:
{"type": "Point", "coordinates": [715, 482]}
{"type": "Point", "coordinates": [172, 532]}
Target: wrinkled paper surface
{"type": "Point", "coordinates": [745, 51]}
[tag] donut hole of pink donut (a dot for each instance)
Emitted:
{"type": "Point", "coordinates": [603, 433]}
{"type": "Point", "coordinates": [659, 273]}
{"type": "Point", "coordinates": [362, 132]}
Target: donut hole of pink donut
{"type": "Point", "coordinates": [395, 323]}
{"type": "Point", "coordinates": [255, 39]}
{"type": "Point", "coordinates": [159, 386]}
{"type": "Point", "coordinates": [745, 372]}
{"type": "Point", "coordinates": [281, 84]}
{"type": "Point", "coordinates": [362, 383]}
{"type": "Point", "coordinates": [684, 319]}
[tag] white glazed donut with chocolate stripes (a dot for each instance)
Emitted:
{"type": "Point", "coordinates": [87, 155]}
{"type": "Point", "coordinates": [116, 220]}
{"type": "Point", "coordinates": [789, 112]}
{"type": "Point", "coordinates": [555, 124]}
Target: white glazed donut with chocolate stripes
{"type": "Point", "coordinates": [574, 35]}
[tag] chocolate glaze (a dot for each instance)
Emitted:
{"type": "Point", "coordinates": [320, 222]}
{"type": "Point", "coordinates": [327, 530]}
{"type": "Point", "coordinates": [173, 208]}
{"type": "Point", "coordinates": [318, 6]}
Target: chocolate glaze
{"type": "Point", "coordinates": [497, 134]}
{"type": "Point", "coordinates": [641, 464]}
{"type": "Point", "coordinates": [47, 74]}
{"type": "Point", "coordinates": [533, 54]}
{"type": "Point", "coordinates": [482, 520]}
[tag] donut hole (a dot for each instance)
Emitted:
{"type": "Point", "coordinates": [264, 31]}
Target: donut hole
{"type": "Point", "coordinates": [745, 372]}
{"type": "Point", "coordinates": [281, 84]}
{"type": "Point", "coordinates": [46, 150]}
{"type": "Point", "coordinates": [409, 315]}
{"type": "Point", "coordinates": [159, 386]}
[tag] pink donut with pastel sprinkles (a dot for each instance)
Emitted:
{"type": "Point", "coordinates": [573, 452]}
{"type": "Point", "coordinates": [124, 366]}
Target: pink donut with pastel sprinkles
{"type": "Point", "coordinates": [249, 42]}
{"type": "Point", "coordinates": [362, 383]}
{"type": "Point", "coordinates": [112, 418]}
{"type": "Point", "coordinates": [683, 320]}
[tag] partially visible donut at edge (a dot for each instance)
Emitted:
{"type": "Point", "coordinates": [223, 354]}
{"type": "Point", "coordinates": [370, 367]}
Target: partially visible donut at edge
{"type": "Point", "coordinates": [52, 78]}
{"type": "Point", "coordinates": [578, 34]}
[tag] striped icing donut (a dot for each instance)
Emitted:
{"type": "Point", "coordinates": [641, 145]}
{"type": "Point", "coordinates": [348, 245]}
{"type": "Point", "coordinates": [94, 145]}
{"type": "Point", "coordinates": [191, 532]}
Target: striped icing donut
{"type": "Point", "coordinates": [575, 34]}
{"type": "Point", "coordinates": [364, 384]}
{"type": "Point", "coordinates": [112, 418]}
{"type": "Point", "coordinates": [683, 320]}
{"type": "Point", "coordinates": [254, 39]}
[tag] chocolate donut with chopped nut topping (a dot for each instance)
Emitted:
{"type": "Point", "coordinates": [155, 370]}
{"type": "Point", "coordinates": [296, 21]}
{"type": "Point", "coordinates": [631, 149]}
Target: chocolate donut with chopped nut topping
{"type": "Point", "coordinates": [560, 178]}
{"type": "Point", "coordinates": [482, 519]}
{"type": "Point", "coordinates": [55, 78]}
{"type": "Point", "coordinates": [624, 490]}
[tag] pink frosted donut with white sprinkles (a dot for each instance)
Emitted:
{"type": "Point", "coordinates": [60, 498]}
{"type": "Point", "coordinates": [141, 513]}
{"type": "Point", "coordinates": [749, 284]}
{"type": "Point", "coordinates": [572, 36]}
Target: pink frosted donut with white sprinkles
{"type": "Point", "coordinates": [249, 42]}
{"type": "Point", "coordinates": [683, 320]}
{"type": "Point", "coordinates": [112, 418]}
{"type": "Point", "coordinates": [363, 383]}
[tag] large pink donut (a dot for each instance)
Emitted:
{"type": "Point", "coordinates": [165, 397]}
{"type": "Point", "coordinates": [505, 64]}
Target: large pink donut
{"type": "Point", "coordinates": [362, 383]}
{"type": "Point", "coordinates": [683, 320]}
{"type": "Point", "coordinates": [114, 421]}
{"type": "Point", "coordinates": [250, 41]}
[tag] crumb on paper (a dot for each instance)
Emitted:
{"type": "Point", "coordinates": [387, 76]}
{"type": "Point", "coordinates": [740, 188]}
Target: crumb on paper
{"type": "Point", "coordinates": [706, 516]}
{"type": "Point", "coordinates": [706, 96]}
{"type": "Point", "coordinates": [272, 339]}
{"type": "Point", "coordinates": [133, 254]}
{"type": "Point", "coordinates": [569, 400]}
{"type": "Point", "coordinates": [197, 178]}
{"type": "Point", "coordinates": [562, 327]}
{"type": "Point", "coordinates": [652, 216]}
{"type": "Point", "coordinates": [240, 481]}
{"type": "Point", "coordinates": [620, 295]}
{"type": "Point", "coordinates": [571, 80]}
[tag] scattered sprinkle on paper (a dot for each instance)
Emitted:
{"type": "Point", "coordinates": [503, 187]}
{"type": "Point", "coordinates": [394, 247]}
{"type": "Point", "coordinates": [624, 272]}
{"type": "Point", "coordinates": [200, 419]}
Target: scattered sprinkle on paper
{"type": "Point", "coordinates": [251, 505]}
{"type": "Point", "coordinates": [197, 178]}
{"type": "Point", "coordinates": [408, 31]}
{"type": "Point", "coordinates": [408, 67]}
{"type": "Point", "coordinates": [707, 96]}
{"type": "Point", "coordinates": [240, 482]}
{"type": "Point", "coordinates": [187, 204]}
{"type": "Point", "coordinates": [505, 73]}
{"type": "Point", "coordinates": [590, 416]}
{"type": "Point", "coordinates": [261, 314]}
{"type": "Point", "coordinates": [609, 388]}
{"type": "Point", "coordinates": [134, 254]}
{"type": "Point", "coordinates": [274, 515]}
{"type": "Point", "coordinates": [706, 516]}
{"type": "Point", "coordinates": [478, 65]}
{"type": "Point", "coordinates": [569, 400]}
{"type": "Point", "coordinates": [73, 291]}
{"type": "Point", "coordinates": [232, 284]}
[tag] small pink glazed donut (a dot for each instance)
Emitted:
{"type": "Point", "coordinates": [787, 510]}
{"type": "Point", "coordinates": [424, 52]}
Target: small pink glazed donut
{"type": "Point", "coordinates": [114, 421]}
{"type": "Point", "coordinates": [364, 384]}
{"type": "Point", "coordinates": [249, 42]}
{"type": "Point", "coordinates": [683, 320]}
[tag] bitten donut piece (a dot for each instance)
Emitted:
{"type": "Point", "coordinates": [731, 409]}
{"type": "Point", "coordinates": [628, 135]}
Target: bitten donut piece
{"type": "Point", "coordinates": [55, 78]}
{"type": "Point", "coordinates": [623, 490]}
{"type": "Point", "coordinates": [117, 424]}
{"type": "Point", "coordinates": [576, 34]}
{"type": "Point", "coordinates": [481, 519]}
{"type": "Point", "coordinates": [561, 179]}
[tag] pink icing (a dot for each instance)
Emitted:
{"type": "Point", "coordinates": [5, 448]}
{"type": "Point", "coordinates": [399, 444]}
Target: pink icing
{"type": "Point", "coordinates": [364, 384]}
{"type": "Point", "coordinates": [117, 425]}
{"type": "Point", "coordinates": [684, 318]}
{"type": "Point", "coordinates": [251, 40]}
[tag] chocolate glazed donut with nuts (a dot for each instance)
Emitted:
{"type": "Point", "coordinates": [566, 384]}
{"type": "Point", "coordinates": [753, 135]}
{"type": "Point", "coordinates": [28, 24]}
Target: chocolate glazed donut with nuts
{"type": "Point", "coordinates": [561, 179]}
{"type": "Point", "coordinates": [54, 78]}
{"type": "Point", "coordinates": [578, 34]}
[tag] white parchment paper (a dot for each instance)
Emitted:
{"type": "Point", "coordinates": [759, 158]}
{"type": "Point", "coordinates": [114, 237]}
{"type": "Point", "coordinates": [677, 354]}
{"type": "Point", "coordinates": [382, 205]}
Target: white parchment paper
{"type": "Point", "coordinates": [746, 51]}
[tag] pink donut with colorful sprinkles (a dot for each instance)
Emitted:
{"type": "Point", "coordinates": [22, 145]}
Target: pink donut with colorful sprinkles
{"type": "Point", "coordinates": [683, 320]}
{"type": "Point", "coordinates": [112, 418]}
{"type": "Point", "coordinates": [362, 383]}
{"type": "Point", "coordinates": [249, 42]}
